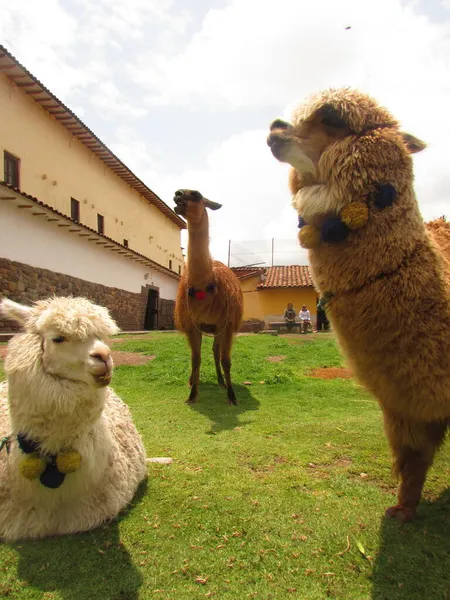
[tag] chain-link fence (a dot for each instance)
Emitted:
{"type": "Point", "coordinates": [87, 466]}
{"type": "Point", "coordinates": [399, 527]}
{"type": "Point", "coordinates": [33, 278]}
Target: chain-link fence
{"type": "Point", "coordinates": [265, 253]}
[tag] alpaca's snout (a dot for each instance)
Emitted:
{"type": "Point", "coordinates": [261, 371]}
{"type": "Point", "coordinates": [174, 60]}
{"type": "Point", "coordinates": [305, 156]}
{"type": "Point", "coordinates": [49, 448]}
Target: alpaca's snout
{"type": "Point", "coordinates": [180, 201]}
{"type": "Point", "coordinates": [278, 136]}
{"type": "Point", "coordinates": [182, 196]}
{"type": "Point", "coordinates": [273, 139]}
{"type": "Point", "coordinates": [280, 124]}
{"type": "Point", "coordinates": [101, 362]}
{"type": "Point", "coordinates": [276, 143]}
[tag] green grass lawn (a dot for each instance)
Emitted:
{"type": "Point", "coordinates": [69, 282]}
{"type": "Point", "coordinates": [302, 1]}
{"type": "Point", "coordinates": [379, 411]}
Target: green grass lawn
{"type": "Point", "coordinates": [281, 497]}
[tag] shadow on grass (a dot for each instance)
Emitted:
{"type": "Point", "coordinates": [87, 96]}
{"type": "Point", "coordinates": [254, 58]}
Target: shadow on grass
{"type": "Point", "coordinates": [213, 403]}
{"type": "Point", "coordinates": [85, 566]}
{"type": "Point", "coordinates": [413, 561]}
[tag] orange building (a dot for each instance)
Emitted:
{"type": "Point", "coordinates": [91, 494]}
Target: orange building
{"type": "Point", "coordinates": [268, 290]}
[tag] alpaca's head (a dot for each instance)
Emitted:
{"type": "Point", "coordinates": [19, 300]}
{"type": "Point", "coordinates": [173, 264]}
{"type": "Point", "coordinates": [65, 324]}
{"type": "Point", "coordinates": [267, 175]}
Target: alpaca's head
{"type": "Point", "coordinates": [192, 205]}
{"type": "Point", "coordinates": [346, 139]}
{"type": "Point", "coordinates": [71, 333]}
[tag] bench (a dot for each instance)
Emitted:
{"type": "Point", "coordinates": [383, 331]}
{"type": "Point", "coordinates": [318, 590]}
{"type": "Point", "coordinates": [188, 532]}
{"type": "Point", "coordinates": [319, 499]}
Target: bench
{"type": "Point", "coordinates": [282, 327]}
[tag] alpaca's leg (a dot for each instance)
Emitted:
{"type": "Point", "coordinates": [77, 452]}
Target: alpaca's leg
{"type": "Point", "coordinates": [195, 341]}
{"type": "Point", "coordinates": [414, 444]}
{"type": "Point", "coordinates": [226, 341]}
{"type": "Point", "coordinates": [216, 352]}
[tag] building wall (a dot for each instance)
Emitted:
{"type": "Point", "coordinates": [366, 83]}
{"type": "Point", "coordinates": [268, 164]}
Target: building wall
{"type": "Point", "coordinates": [269, 304]}
{"type": "Point", "coordinates": [25, 284]}
{"type": "Point", "coordinates": [253, 308]}
{"type": "Point", "coordinates": [34, 241]}
{"type": "Point", "coordinates": [54, 167]}
{"type": "Point", "coordinates": [274, 302]}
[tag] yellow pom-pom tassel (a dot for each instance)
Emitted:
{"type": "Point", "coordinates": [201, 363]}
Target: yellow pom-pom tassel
{"type": "Point", "coordinates": [68, 462]}
{"type": "Point", "coordinates": [355, 215]}
{"type": "Point", "coordinates": [309, 237]}
{"type": "Point", "coordinates": [32, 466]}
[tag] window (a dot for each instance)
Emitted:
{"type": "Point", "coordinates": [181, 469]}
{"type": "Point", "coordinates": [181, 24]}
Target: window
{"type": "Point", "coordinates": [75, 210]}
{"type": "Point", "coordinates": [125, 243]}
{"type": "Point", "coordinates": [170, 264]}
{"type": "Point", "coordinates": [179, 269]}
{"type": "Point", "coordinates": [11, 166]}
{"type": "Point", "coordinates": [101, 224]}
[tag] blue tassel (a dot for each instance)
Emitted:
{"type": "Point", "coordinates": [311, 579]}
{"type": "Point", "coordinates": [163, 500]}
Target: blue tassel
{"type": "Point", "coordinates": [334, 230]}
{"type": "Point", "coordinates": [385, 195]}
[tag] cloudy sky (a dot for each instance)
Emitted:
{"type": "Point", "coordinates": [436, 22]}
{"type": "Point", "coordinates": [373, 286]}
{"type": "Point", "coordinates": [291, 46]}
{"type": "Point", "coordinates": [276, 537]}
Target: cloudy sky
{"type": "Point", "coordinates": [183, 90]}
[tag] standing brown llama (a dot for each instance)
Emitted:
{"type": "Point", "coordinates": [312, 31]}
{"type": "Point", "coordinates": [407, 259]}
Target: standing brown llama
{"type": "Point", "coordinates": [383, 278]}
{"type": "Point", "coordinates": [209, 298]}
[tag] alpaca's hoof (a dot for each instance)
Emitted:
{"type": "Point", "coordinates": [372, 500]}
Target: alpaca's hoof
{"type": "Point", "coordinates": [231, 397]}
{"type": "Point", "coordinates": [192, 399]}
{"type": "Point", "coordinates": [401, 513]}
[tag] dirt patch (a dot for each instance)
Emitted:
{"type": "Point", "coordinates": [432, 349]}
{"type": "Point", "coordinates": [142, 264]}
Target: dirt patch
{"type": "Point", "coordinates": [120, 340]}
{"type": "Point", "coordinates": [131, 358]}
{"type": "Point", "coordinates": [275, 359]}
{"type": "Point", "coordinates": [3, 350]}
{"type": "Point", "coordinates": [330, 373]}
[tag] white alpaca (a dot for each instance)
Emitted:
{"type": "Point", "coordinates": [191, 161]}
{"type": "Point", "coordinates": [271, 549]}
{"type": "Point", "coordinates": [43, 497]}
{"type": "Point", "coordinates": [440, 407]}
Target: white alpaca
{"type": "Point", "coordinates": [75, 458]}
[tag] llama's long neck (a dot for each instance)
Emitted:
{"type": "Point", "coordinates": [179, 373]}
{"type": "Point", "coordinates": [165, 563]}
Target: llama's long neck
{"type": "Point", "coordinates": [55, 412]}
{"type": "Point", "coordinates": [199, 263]}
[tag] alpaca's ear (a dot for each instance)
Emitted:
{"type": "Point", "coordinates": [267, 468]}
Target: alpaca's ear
{"type": "Point", "coordinates": [14, 311]}
{"type": "Point", "coordinates": [210, 204]}
{"type": "Point", "coordinates": [412, 143]}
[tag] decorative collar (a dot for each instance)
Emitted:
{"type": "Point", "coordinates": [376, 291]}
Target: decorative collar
{"type": "Point", "coordinates": [50, 468]}
{"type": "Point", "coordinates": [201, 294]}
{"type": "Point", "coordinates": [352, 217]}
{"type": "Point", "coordinates": [325, 299]}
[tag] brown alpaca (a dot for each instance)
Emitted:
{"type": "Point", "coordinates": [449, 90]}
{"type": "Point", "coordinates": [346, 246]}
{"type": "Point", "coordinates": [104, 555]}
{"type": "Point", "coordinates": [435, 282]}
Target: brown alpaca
{"type": "Point", "coordinates": [439, 232]}
{"type": "Point", "coordinates": [209, 298]}
{"type": "Point", "coordinates": [384, 281]}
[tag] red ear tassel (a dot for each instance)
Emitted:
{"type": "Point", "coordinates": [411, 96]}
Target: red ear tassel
{"type": "Point", "coordinates": [200, 295]}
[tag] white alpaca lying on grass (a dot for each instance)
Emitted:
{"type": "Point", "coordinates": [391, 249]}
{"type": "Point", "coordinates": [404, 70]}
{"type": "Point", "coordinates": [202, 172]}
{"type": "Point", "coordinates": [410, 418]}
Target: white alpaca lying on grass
{"type": "Point", "coordinates": [72, 457]}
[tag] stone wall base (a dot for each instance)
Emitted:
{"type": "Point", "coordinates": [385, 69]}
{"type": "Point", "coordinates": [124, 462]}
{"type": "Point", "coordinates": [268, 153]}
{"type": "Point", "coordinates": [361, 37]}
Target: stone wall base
{"type": "Point", "coordinates": [25, 284]}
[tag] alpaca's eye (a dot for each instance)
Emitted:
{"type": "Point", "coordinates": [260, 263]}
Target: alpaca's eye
{"type": "Point", "coordinates": [334, 121]}
{"type": "Point", "coordinates": [331, 117]}
{"type": "Point", "coordinates": [59, 340]}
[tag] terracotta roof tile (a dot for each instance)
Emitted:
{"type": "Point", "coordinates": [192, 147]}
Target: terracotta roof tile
{"type": "Point", "coordinates": [243, 272]}
{"type": "Point", "coordinates": [287, 277]}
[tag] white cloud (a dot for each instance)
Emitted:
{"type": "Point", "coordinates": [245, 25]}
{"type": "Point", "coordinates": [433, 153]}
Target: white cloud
{"type": "Point", "coordinates": [247, 57]}
{"type": "Point", "coordinates": [119, 58]}
{"type": "Point", "coordinates": [73, 54]}
{"type": "Point", "coordinates": [111, 102]}
{"type": "Point", "coordinates": [106, 20]}
{"type": "Point", "coordinates": [40, 35]}
{"type": "Point", "coordinates": [242, 175]}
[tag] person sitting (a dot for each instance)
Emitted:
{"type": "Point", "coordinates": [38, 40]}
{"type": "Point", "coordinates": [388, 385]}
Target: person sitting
{"type": "Point", "coordinates": [305, 319]}
{"type": "Point", "coordinates": [289, 317]}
